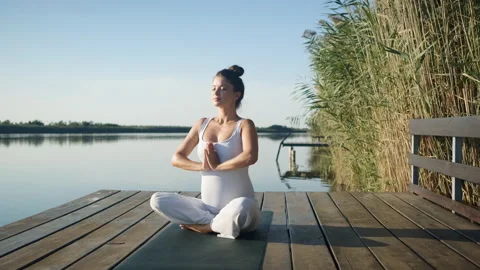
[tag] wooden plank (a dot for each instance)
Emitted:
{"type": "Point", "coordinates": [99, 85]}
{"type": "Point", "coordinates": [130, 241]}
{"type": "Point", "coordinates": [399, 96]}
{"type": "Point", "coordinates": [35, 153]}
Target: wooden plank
{"type": "Point", "coordinates": [457, 156]}
{"type": "Point", "coordinates": [13, 243]}
{"type": "Point", "coordinates": [349, 250]}
{"type": "Point", "coordinates": [460, 224]}
{"type": "Point", "coordinates": [309, 249]}
{"type": "Point", "coordinates": [459, 208]}
{"type": "Point", "coordinates": [117, 249]}
{"type": "Point", "coordinates": [51, 214]}
{"type": "Point", "coordinates": [461, 171]}
{"type": "Point", "coordinates": [277, 254]}
{"type": "Point", "coordinates": [259, 198]}
{"type": "Point", "coordinates": [390, 251]}
{"type": "Point", "coordinates": [470, 250]}
{"type": "Point", "coordinates": [82, 247]}
{"type": "Point", "coordinates": [46, 246]}
{"type": "Point", "coordinates": [468, 126]}
{"type": "Point", "coordinates": [415, 172]}
{"type": "Point", "coordinates": [430, 249]}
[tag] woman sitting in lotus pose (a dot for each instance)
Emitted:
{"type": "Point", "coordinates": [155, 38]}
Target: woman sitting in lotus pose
{"type": "Point", "coordinates": [227, 146]}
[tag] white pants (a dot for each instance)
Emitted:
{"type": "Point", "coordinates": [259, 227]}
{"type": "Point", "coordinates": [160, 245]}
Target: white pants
{"type": "Point", "coordinates": [239, 215]}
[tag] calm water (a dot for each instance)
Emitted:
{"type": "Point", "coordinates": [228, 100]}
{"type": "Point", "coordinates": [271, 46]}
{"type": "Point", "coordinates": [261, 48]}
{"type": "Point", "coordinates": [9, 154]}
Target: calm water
{"type": "Point", "coordinates": [38, 172]}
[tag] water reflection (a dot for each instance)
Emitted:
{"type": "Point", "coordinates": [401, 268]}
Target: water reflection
{"type": "Point", "coordinates": [36, 140]}
{"type": "Point", "coordinates": [68, 166]}
{"type": "Point", "coordinates": [318, 164]}
{"type": "Point", "coordinates": [310, 175]}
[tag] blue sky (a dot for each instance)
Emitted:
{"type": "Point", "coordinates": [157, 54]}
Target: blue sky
{"type": "Point", "coordinates": [150, 62]}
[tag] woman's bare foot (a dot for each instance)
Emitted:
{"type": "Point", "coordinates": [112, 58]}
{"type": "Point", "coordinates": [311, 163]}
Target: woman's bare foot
{"type": "Point", "coordinates": [201, 228]}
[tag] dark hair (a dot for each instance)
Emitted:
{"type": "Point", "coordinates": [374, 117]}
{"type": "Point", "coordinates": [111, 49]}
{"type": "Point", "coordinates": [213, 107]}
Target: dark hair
{"type": "Point", "coordinates": [232, 75]}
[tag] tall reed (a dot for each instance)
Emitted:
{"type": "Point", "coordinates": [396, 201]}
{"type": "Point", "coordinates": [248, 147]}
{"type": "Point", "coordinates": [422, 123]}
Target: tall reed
{"type": "Point", "coordinates": [376, 67]}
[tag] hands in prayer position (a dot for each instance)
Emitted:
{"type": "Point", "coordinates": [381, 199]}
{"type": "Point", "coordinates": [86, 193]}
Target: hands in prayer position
{"type": "Point", "coordinates": [210, 157]}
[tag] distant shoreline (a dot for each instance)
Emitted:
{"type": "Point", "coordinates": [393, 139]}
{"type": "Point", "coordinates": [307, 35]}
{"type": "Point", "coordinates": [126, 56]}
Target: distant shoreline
{"type": "Point", "coordinates": [27, 129]}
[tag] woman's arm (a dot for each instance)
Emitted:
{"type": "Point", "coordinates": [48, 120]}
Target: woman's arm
{"type": "Point", "coordinates": [249, 154]}
{"type": "Point", "coordinates": [180, 157]}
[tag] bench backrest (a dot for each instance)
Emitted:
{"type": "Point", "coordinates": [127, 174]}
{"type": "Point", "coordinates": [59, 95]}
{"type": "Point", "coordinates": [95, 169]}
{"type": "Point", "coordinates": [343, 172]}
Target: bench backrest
{"type": "Point", "coordinates": [457, 128]}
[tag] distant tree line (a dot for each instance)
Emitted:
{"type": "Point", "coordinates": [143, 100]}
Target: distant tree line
{"type": "Point", "coordinates": [37, 126]}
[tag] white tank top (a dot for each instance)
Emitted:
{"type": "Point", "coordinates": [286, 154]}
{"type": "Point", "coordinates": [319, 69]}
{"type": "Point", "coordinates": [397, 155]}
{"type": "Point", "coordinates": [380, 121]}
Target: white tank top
{"type": "Point", "coordinates": [220, 187]}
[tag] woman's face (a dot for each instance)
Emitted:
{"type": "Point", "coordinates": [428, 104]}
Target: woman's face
{"type": "Point", "coordinates": [222, 93]}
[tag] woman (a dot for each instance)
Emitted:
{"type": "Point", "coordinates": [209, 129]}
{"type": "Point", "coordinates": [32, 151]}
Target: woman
{"type": "Point", "coordinates": [227, 145]}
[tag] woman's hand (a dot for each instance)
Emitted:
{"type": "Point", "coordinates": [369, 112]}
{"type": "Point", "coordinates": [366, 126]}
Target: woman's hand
{"type": "Point", "coordinates": [205, 165]}
{"type": "Point", "coordinates": [211, 156]}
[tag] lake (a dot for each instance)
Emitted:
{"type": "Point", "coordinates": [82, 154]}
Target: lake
{"type": "Point", "coordinates": [41, 171]}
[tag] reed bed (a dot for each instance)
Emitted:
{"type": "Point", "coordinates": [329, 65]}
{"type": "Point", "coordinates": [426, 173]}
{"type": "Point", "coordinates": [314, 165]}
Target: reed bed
{"type": "Point", "coordinates": [377, 65]}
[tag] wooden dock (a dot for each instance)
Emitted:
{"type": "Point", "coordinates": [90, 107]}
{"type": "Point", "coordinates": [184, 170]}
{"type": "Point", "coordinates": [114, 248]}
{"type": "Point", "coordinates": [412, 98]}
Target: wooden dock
{"type": "Point", "coordinates": [338, 230]}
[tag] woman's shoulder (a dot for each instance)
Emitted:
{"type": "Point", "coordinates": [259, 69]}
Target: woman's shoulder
{"type": "Point", "coordinates": [246, 123]}
{"type": "Point", "coordinates": [198, 124]}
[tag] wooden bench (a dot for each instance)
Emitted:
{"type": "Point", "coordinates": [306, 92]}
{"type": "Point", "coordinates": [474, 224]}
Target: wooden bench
{"type": "Point", "coordinates": [457, 128]}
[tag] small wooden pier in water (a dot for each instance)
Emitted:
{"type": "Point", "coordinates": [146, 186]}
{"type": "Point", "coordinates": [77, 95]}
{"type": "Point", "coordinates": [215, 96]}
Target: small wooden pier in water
{"type": "Point", "coordinates": [313, 230]}
{"type": "Point", "coordinates": [292, 156]}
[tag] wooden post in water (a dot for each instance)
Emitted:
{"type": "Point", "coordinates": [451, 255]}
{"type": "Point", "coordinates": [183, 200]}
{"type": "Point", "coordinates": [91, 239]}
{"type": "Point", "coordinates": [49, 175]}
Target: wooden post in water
{"type": "Point", "coordinates": [292, 159]}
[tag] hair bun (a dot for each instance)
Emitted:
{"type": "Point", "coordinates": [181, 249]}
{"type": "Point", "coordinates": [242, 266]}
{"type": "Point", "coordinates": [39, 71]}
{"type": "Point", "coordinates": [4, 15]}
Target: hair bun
{"type": "Point", "coordinates": [238, 70]}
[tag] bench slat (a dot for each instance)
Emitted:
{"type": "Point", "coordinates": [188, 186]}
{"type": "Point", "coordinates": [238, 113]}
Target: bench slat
{"type": "Point", "coordinates": [462, 171]}
{"type": "Point", "coordinates": [468, 126]}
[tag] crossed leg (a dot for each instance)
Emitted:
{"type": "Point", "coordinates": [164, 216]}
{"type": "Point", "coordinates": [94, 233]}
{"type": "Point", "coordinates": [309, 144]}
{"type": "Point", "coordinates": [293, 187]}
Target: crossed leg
{"type": "Point", "coordinates": [239, 215]}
